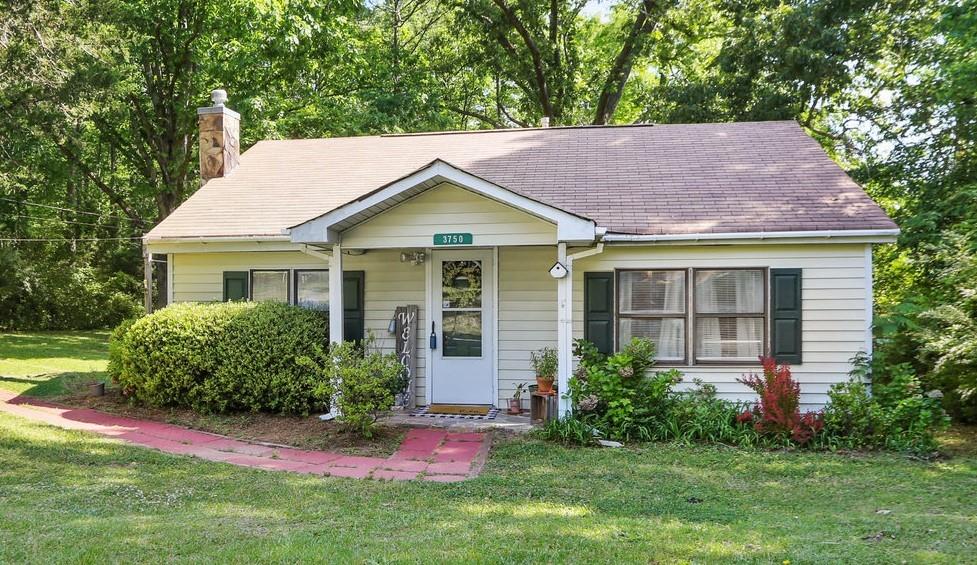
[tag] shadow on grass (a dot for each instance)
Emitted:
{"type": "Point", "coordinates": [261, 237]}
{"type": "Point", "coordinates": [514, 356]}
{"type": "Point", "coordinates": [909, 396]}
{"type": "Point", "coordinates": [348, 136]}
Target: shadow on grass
{"type": "Point", "coordinates": [85, 346]}
{"type": "Point", "coordinates": [55, 384]}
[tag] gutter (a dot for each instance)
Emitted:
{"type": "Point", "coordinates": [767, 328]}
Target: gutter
{"type": "Point", "coordinates": [883, 235]}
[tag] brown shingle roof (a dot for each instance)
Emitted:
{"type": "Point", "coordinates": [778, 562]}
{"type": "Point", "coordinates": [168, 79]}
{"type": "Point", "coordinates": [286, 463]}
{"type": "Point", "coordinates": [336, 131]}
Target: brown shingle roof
{"type": "Point", "coordinates": [663, 179]}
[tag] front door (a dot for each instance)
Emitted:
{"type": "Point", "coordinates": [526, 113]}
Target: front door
{"type": "Point", "coordinates": [463, 363]}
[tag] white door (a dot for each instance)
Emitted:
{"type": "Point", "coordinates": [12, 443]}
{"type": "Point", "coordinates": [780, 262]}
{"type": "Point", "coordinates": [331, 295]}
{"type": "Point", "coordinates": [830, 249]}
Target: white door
{"type": "Point", "coordinates": [463, 363]}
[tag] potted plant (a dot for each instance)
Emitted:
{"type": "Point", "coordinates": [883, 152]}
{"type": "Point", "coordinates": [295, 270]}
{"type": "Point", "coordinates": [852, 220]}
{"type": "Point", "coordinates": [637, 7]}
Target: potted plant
{"type": "Point", "coordinates": [515, 403]}
{"type": "Point", "coordinates": [545, 364]}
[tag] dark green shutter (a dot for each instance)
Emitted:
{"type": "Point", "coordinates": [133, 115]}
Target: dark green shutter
{"type": "Point", "coordinates": [785, 315]}
{"type": "Point", "coordinates": [598, 316]}
{"type": "Point", "coordinates": [235, 285]}
{"type": "Point", "coordinates": [353, 317]}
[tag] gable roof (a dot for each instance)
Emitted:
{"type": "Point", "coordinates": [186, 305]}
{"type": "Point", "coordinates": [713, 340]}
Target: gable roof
{"type": "Point", "coordinates": [643, 180]}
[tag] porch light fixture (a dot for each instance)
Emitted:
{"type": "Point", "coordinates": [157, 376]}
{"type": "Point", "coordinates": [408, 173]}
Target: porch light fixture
{"type": "Point", "coordinates": [414, 258]}
{"type": "Point", "coordinates": [558, 271]}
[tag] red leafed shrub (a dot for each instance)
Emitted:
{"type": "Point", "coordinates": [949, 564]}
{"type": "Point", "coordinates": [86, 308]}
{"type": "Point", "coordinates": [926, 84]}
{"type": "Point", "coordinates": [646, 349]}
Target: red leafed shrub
{"type": "Point", "coordinates": [778, 411]}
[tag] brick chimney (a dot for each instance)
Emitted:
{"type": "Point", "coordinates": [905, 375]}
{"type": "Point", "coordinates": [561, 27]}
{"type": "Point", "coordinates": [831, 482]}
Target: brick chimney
{"type": "Point", "coordinates": [219, 135]}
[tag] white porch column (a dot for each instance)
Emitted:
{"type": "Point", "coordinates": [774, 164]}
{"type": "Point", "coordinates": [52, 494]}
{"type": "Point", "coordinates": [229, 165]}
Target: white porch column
{"type": "Point", "coordinates": [336, 295]}
{"type": "Point", "coordinates": [564, 334]}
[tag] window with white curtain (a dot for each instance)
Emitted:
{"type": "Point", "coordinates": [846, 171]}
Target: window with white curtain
{"type": "Point", "coordinates": [729, 318]}
{"type": "Point", "coordinates": [269, 285]}
{"type": "Point", "coordinates": [652, 304]}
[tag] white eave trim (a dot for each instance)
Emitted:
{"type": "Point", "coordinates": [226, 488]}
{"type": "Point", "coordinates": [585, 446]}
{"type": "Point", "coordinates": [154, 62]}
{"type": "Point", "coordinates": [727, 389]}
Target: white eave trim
{"type": "Point", "coordinates": [823, 236]}
{"type": "Point", "coordinates": [569, 227]}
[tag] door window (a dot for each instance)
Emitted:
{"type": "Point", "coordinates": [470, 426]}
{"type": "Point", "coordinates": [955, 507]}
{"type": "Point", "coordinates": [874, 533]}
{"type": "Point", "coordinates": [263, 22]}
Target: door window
{"type": "Point", "coordinates": [461, 308]}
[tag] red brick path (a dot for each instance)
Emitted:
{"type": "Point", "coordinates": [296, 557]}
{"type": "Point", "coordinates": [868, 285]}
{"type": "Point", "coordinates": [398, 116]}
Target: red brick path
{"type": "Point", "coordinates": [428, 454]}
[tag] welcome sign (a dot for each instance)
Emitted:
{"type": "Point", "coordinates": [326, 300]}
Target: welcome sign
{"type": "Point", "coordinates": [405, 330]}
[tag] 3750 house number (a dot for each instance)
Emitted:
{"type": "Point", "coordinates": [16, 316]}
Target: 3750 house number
{"type": "Point", "coordinates": [452, 239]}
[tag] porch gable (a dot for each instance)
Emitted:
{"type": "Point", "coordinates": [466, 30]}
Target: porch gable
{"type": "Point", "coordinates": [328, 227]}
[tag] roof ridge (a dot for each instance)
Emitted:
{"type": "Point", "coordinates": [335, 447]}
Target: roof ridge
{"type": "Point", "coordinates": [529, 129]}
{"type": "Point", "coordinates": [512, 130]}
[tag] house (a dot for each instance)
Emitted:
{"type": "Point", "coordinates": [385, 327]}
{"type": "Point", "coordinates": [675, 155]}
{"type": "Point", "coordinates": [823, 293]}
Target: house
{"type": "Point", "coordinates": [720, 242]}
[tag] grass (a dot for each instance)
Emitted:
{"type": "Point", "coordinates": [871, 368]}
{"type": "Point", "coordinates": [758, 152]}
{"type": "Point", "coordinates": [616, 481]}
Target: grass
{"type": "Point", "coordinates": [71, 496]}
{"type": "Point", "coordinates": [49, 363]}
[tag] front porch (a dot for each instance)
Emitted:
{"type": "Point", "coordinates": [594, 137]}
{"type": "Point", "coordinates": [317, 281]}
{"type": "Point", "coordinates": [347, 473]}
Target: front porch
{"type": "Point", "coordinates": [487, 269]}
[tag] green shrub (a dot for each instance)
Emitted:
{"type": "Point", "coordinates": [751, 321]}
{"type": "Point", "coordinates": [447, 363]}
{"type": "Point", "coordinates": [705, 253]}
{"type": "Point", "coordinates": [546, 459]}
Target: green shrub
{"type": "Point", "coordinates": [221, 357]}
{"type": "Point", "coordinates": [362, 381]}
{"type": "Point", "coordinates": [897, 415]}
{"type": "Point", "coordinates": [615, 395]}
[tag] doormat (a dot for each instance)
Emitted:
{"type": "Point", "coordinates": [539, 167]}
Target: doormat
{"type": "Point", "coordinates": [458, 409]}
{"type": "Point", "coordinates": [426, 411]}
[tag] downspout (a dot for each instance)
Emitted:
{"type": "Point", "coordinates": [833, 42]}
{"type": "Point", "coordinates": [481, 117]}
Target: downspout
{"type": "Point", "coordinates": [565, 335]}
{"type": "Point", "coordinates": [147, 261]}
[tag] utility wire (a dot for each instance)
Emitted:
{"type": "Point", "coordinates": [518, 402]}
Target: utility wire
{"type": "Point", "coordinates": [15, 201]}
{"type": "Point", "coordinates": [65, 239]}
{"type": "Point", "coordinates": [58, 220]}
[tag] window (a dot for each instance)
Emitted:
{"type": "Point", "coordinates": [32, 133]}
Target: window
{"type": "Point", "coordinates": [312, 289]}
{"type": "Point", "coordinates": [729, 315]}
{"type": "Point", "coordinates": [269, 285]}
{"type": "Point", "coordinates": [461, 308]}
{"type": "Point", "coordinates": [652, 304]}
{"type": "Point", "coordinates": [727, 322]}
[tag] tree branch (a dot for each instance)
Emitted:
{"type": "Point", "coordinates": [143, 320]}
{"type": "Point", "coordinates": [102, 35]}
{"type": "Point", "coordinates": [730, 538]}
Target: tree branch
{"type": "Point", "coordinates": [539, 71]}
{"type": "Point", "coordinates": [617, 77]}
{"type": "Point", "coordinates": [113, 195]}
{"type": "Point", "coordinates": [478, 116]}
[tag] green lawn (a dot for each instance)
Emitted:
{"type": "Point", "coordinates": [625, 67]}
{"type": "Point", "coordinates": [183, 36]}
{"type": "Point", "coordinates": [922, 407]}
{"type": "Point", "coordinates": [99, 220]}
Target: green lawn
{"type": "Point", "coordinates": [45, 363]}
{"type": "Point", "coordinates": [71, 496]}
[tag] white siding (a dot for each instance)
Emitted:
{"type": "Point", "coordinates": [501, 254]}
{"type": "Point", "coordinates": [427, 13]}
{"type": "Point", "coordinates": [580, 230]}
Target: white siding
{"type": "Point", "coordinates": [834, 292]}
{"type": "Point", "coordinates": [449, 209]}
{"type": "Point", "coordinates": [527, 313]}
{"type": "Point", "coordinates": [834, 300]}
{"type": "Point", "coordinates": [389, 283]}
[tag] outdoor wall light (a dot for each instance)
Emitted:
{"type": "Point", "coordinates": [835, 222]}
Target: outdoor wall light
{"type": "Point", "coordinates": [413, 257]}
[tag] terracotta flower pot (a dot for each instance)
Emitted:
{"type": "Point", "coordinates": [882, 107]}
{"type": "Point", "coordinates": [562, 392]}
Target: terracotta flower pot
{"type": "Point", "coordinates": [515, 406]}
{"type": "Point", "coordinates": [545, 386]}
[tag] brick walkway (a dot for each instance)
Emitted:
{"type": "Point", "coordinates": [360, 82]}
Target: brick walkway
{"type": "Point", "coordinates": [428, 454]}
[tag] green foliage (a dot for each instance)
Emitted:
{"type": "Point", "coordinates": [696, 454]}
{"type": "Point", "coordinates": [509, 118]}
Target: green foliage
{"type": "Point", "coordinates": [362, 382]}
{"type": "Point", "coordinates": [613, 393]}
{"type": "Point", "coordinates": [63, 295]}
{"type": "Point", "coordinates": [545, 363]}
{"type": "Point", "coordinates": [897, 415]}
{"type": "Point", "coordinates": [221, 357]}
{"type": "Point", "coordinates": [697, 415]}
{"type": "Point", "coordinates": [569, 430]}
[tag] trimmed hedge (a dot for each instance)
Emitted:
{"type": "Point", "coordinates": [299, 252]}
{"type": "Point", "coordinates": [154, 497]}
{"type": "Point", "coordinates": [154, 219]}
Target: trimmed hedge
{"type": "Point", "coordinates": [221, 357]}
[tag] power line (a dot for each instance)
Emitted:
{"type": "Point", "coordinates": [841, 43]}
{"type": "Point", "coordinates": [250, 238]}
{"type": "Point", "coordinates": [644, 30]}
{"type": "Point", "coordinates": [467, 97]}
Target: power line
{"type": "Point", "coordinates": [28, 203]}
{"type": "Point", "coordinates": [65, 239]}
{"type": "Point", "coordinates": [56, 219]}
